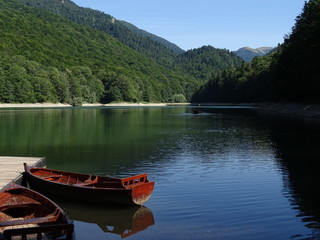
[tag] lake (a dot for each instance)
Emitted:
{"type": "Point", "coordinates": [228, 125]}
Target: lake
{"type": "Point", "coordinates": [227, 173]}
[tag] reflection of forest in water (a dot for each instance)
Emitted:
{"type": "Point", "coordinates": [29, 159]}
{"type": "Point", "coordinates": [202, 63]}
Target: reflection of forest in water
{"type": "Point", "coordinates": [297, 144]}
{"type": "Point", "coordinates": [258, 167]}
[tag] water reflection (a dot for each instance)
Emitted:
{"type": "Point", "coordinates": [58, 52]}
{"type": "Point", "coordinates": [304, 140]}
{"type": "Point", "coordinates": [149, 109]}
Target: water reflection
{"type": "Point", "coordinates": [222, 174]}
{"type": "Point", "coordinates": [297, 148]}
{"type": "Point", "coordinates": [116, 220]}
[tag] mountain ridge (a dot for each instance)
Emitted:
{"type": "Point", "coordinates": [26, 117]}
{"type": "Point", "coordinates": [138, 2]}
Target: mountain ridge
{"type": "Point", "coordinates": [156, 38]}
{"type": "Point", "coordinates": [146, 43]}
{"type": "Point", "coordinates": [248, 53]}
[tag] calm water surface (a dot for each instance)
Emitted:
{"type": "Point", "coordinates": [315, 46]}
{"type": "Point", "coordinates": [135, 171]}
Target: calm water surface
{"type": "Point", "coordinates": [225, 174]}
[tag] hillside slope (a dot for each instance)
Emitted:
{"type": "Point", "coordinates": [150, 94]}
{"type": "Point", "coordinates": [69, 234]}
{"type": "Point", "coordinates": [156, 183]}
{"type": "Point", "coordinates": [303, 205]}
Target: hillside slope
{"type": "Point", "coordinates": [297, 73]}
{"type": "Point", "coordinates": [164, 52]}
{"type": "Point", "coordinates": [35, 43]}
{"type": "Point", "coordinates": [207, 61]}
{"type": "Point", "coordinates": [146, 43]}
{"type": "Point", "coordinates": [68, 55]}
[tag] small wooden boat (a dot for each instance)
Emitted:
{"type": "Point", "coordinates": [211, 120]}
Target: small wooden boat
{"type": "Point", "coordinates": [24, 212]}
{"type": "Point", "coordinates": [197, 111]}
{"type": "Point", "coordinates": [134, 190]}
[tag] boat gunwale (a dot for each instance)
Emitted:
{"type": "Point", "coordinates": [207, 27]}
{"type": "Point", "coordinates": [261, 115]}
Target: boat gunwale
{"type": "Point", "coordinates": [47, 221]}
{"type": "Point", "coordinates": [80, 185]}
{"type": "Point", "coordinates": [14, 186]}
{"type": "Point", "coordinates": [134, 190]}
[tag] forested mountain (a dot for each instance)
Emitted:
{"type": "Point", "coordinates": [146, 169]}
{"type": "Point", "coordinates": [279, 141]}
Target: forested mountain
{"type": "Point", "coordinates": [150, 45]}
{"type": "Point", "coordinates": [156, 38]}
{"type": "Point", "coordinates": [45, 57]}
{"type": "Point", "coordinates": [248, 83]}
{"type": "Point", "coordinates": [297, 72]}
{"type": "Point", "coordinates": [247, 53]}
{"type": "Point", "coordinates": [142, 41]}
{"type": "Point", "coordinates": [207, 61]}
{"type": "Point", "coordinates": [291, 73]}
{"type": "Point", "coordinates": [67, 55]}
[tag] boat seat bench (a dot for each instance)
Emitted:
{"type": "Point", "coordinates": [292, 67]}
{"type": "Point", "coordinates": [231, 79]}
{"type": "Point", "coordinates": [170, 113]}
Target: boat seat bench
{"type": "Point", "coordinates": [29, 221]}
{"type": "Point", "coordinates": [21, 205]}
{"type": "Point", "coordinates": [23, 232]}
{"type": "Point", "coordinates": [86, 183]}
{"type": "Point", "coordinates": [52, 176]}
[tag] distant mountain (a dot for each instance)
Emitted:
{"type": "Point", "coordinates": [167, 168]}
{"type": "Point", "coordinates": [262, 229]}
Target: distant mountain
{"type": "Point", "coordinates": [247, 53]}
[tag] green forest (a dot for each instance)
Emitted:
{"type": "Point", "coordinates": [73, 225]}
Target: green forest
{"type": "Point", "coordinates": [291, 73]}
{"type": "Point", "coordinates": [58, 52]}
{"type": "Point", "coordinates": [55, 51]}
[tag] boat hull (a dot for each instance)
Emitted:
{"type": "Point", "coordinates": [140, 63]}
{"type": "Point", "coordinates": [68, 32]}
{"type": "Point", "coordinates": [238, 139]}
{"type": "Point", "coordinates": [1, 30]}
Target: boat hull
{"type": "Point", "coordinates": [25, 212]}
{"type": "Point", "coordinates": [135, 195]}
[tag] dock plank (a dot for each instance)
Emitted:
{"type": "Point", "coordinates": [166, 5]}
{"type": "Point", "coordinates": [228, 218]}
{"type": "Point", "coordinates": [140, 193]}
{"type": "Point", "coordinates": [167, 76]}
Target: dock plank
{"type": "Point", "coordinates": [12, 167]}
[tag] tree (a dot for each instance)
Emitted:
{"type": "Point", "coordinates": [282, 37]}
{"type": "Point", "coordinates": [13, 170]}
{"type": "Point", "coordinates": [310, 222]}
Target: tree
{"type": "Point", "coordinates": [59, 81]}
{"type": "Point", "coordinates": [297, 66]}
{"type": "Point", "coordinates": [18, 79]}
{"type": "Point", "coordinates": [178, 98]}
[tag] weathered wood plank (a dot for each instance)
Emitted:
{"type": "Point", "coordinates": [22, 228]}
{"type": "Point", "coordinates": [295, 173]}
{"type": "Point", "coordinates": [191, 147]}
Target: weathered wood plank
{"type": "Point", "coordinates": [12, 167]}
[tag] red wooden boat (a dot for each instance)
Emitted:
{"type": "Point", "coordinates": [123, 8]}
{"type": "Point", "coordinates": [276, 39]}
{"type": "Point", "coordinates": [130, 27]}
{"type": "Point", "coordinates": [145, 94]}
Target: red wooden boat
{"type": "Point", "coordinates": [26, 213]}
{"type": "Point", "coordinates": [134, 190]}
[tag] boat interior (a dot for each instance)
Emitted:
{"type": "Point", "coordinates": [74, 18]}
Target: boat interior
{"type": "Point", "coordinates": [89, 180]}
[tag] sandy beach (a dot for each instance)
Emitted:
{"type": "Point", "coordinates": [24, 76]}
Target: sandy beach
{"type": "Point", "coordinates": [33, 105]}
{"type": "Point", "coordinates": [311, 111]}
{"type": "Point", "coordinates": [61, 105]}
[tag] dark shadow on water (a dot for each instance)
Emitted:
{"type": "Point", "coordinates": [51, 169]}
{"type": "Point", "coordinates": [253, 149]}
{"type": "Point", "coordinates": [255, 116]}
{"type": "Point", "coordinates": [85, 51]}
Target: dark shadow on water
{"type": "Point", "coordinates": [297, 148]}
{"type": "Point", "coordinates": [227, 110]}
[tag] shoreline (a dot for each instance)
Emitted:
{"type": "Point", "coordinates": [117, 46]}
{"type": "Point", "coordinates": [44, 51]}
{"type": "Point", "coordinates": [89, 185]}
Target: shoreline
{"type": "Point", "coordinates": [297, 110]}
{"type": "Point", "coordinates": [300, 110]}
{"type": "Point", "coordinates": [63, 105]}
{"type": "Point", "coordinates": [33, 105]}
{"type": "Point", "coordinates": [120, 104]}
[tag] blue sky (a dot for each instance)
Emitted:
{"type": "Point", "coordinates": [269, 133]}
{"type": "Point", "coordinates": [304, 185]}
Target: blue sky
{"type": "Point", "coordinates": [229, 24]}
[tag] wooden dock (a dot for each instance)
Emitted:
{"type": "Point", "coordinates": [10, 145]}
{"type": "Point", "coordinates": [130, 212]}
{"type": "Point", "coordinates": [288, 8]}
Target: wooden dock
{"type": "Point", "coordinates": [12, 167]}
